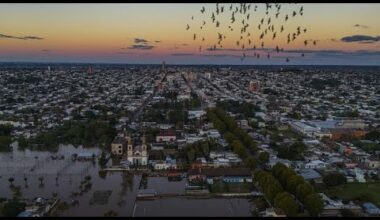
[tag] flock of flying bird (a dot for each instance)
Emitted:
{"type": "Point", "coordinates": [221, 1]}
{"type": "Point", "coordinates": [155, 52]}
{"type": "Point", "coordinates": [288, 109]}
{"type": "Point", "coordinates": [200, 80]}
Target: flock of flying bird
{"type": "Point", "coordinates": [264, 28]}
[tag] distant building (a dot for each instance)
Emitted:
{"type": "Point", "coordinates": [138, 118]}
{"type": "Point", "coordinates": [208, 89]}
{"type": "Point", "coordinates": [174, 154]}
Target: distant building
{"type": "Point", "coordinates": [254, 86]}
{"type": "Point", "coordinates": [118, 145]}
{"type": "Point", "coordinates": [196, 114]}
{"type": "Point", "coordinates": [166, 135]}
{"type": "Point", "coordinates": [163, 70]}
{"type": "Point", "coordinates": [90, 70]}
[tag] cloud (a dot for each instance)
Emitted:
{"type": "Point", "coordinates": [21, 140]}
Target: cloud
{"type": "Point", "coordinates": [140, 40]}
{"type": "Point", "coordinates": [157, 41]}
{"type": "Point", "coordinates": [182, 54]}
{"type": "Point", "coordinates": [361, 26]}
{"type": "Point", "coordinates": [141, 47]}
{"type": "Point", "coordinates": [45, 50]}
{"type": "Point", "coordinates": [122, 52]}
{"type": "Point", "coordinates": [21, 38]}
{"type": "Point", "coordinates": [360, 39]}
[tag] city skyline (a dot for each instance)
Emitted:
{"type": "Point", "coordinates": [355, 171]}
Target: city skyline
{"type": "Point", "coordinates": [151, 33]}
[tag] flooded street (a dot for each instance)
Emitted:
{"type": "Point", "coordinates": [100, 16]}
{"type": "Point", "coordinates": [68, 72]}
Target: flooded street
{"type": "Point", "coordinates": [39, 175]}
{"type": "Point", "coordinates": [214, 207]}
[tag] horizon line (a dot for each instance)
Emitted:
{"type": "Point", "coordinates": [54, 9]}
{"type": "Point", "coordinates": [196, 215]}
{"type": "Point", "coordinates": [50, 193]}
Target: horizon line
{"type": "Point", "coordinates": [168, 64]}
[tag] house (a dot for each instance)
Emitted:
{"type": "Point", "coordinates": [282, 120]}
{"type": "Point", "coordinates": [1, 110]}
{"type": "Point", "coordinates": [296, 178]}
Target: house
{"type": "Point", "coordinates": [373, 163]}
{"type": "Point", "coordinates": [196, 175]}
{"type": "Point", "coordinates": [166, 135]}
{"type": "Point", "coordinates": [310, 174]}
{"type": "Point", "coordinates": [168, 163]}
{"type": "Point", "coordinates": [118, 145]}
{"type": "Point", "coordinates": [196, 114]}
{"type": "Point", "coordinates": [271, 212]}
{"type": "Point", "coordinates": [371, 209]}
{"type": "Point", "coordinates": [316, 164]}
{"type": "Point", "coordinates": [228, 175]}
{"type": "Point", "coordinates": [332, 208]}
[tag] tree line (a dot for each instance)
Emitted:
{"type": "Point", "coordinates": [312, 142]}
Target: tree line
{"type": "Point", "coordinates": [287, 190]}
{"type": "Point", "coordinates": [238, 139]}
{"type": "Point", "coordinates": [89, 133]}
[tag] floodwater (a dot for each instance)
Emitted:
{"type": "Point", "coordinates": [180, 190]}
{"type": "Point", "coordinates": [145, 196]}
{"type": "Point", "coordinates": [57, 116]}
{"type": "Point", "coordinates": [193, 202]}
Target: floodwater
{"type": "Point", "coordinates": [63, 177]}
{"type": "Point", "coordinates": [185, 207]}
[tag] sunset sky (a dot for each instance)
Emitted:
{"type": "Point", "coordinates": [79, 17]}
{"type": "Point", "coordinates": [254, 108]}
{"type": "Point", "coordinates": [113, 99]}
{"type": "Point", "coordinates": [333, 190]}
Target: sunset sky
{"type": "Point", "coordinates": [151, 33]}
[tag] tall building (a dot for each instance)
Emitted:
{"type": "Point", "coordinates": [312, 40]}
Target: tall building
{"type": "Point", "coordinates": [254, 86]}
{"type": "Point", "coordinates": [90, 70]}
{"type": "Point", "coordinates": [163, 67]}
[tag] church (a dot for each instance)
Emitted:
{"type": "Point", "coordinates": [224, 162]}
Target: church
{"type": "Point", "coordinates": [134, 151]}
{"type": "Point", "coordinates": [137, 155]}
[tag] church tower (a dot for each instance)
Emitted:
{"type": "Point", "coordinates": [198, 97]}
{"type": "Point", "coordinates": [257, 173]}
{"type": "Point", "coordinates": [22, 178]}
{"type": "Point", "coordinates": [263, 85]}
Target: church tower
{"type": "Point", "coordinates": [129, 145]}
{"type": "Point", "coordinates": [143, 146]}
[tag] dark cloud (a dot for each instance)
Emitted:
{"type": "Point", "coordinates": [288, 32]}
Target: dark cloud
{"type": "Point", "coordinates": [141, 47]}
{"type": "Point", "coordinates": [140, 40]}
{"type": "Point", "coordinates": [45, 50]}
{"type": "Point", "coordinates": [124, 52]}
{"type": "Point", "coordinates": [185, 45]}
{"type": "Point", "coordinates": [361, 26]}
{"type": "Point", "coordinates": [360, 39]}
{"type": "Point", "coordinates": [157, 41]}
{"type": "Point", "coordinates": [182, 54]}
{"type": "Point", "coordinates": [21, 38]}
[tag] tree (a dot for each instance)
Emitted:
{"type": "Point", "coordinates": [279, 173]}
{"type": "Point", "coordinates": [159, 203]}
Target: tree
{"type": "Point", "coordinates": [373, 135]}
{"type": "Point", "coordinates": [334, 179]}
{"type": "Point", "coordinates": [292, 152]}
{"type": "Point", "coordinates": [5, 143]}
{"type": "Point", "coordinates": [293, 182]}
{"type": "Point", "coordinates": [314, 204]}
{"type": "Point", "coordinates": [102, 160]}
{"type": "Point", "coordinates": [22, 142]}
{"type": "Point", "coordinates": [13, 208]}
{"type": "Point", "coordinates": [5, 129]}
{"type": "Point", "coordinates": [303, 190]}
{"type": "Point", "coordinates": [250, 162]}
{"type": "Point", "coordinates": [285, 202]}
{"type": "Point", "coordinates": [264, 157]}
{"type": "Point", "coordinates": [110, 213]}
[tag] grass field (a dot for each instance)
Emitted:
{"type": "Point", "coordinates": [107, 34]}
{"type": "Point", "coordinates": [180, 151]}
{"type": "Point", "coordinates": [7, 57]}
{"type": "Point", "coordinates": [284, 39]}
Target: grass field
{"type": "Point", "coordinates": [367, 191]}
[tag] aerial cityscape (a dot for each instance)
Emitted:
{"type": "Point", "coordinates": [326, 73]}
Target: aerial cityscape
{"type": "Point", "coordinates": [211, 110]}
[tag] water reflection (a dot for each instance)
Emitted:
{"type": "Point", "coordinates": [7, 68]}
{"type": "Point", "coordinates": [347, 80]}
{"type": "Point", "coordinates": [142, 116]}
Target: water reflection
{"type": "Point", "coordinates": [85, 191]}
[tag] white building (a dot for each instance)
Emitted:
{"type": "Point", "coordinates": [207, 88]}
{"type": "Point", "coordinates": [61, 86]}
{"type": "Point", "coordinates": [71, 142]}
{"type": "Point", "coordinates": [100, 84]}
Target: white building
{"type": "Point", "coordinates": [137, 155]}
{"type": "Point", "coordinates": [196, 114]}
{"type": "Point", "coordinates": [316, 164]}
